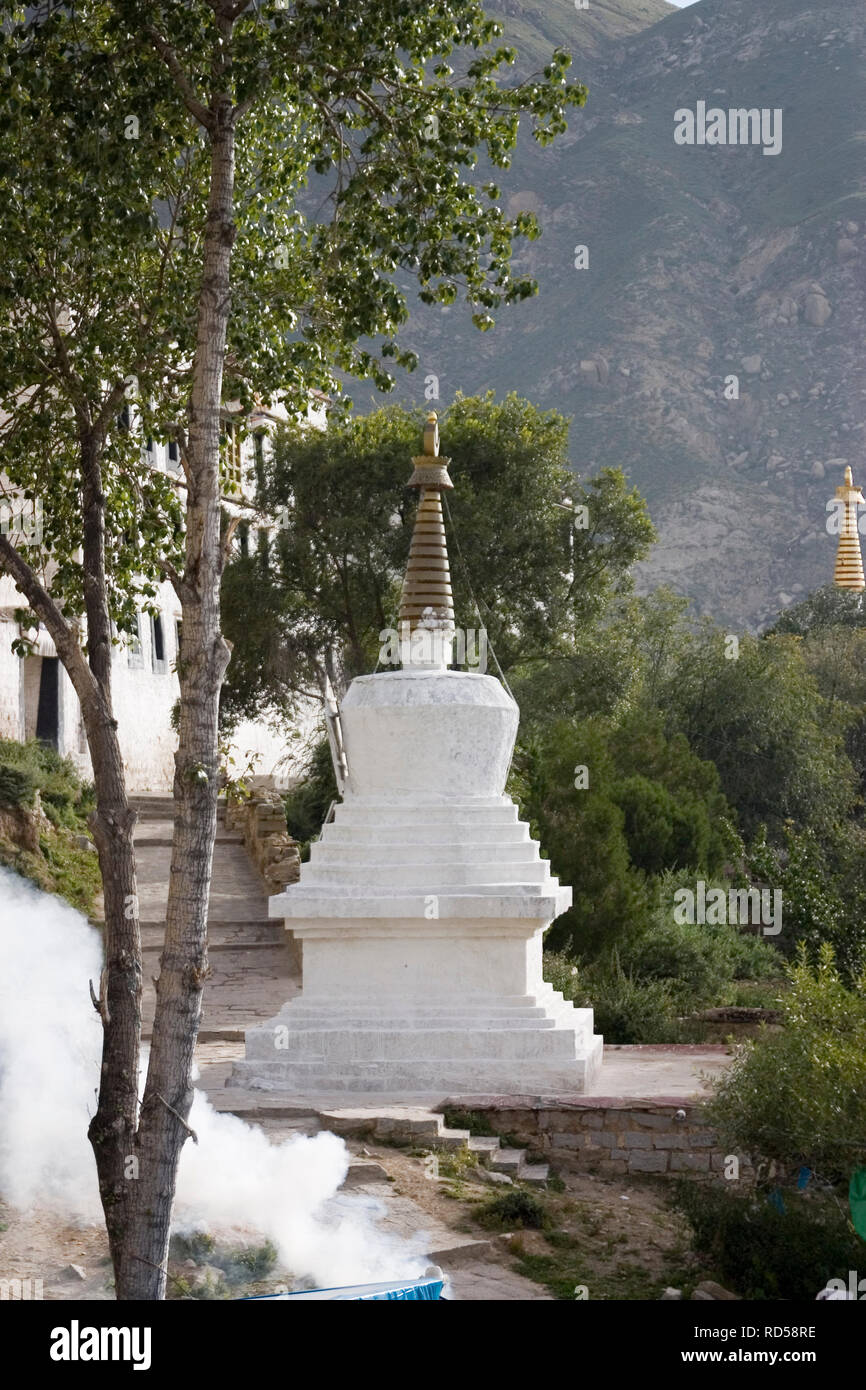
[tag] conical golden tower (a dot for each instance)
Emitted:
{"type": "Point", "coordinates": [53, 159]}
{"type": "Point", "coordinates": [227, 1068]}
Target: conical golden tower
{"type": "Point", "coordinates": [426, 600]}
{"type": "Point", "coordinates": [849, 561]}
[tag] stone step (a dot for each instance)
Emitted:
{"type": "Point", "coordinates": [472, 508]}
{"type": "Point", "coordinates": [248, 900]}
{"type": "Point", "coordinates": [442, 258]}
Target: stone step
{"type": "Point", "coordinates": [152, 808]}
{"type": "Point", "coordinates": [413, 1023]}
{"type": "Point", "coordinates": [458, 814]}
{"type": "Point", "coordinates": [451, 852]}
{"type": "Point", "coordinates": [159, 834]}
{"type": "Point", "coordinates": [424, 876]}
{"type": "Point", "coordinates": [149, 947]}
{"type": "Point", "coordinates": [485, 1146]}
{"type": "Point", "coordinates": [368, 833]}
{"type": "Point", "coordinates": [337, 1047]}
{"type": "Point", "coordinates": [535, 1174]}
{"type": "Point", "coordinates": [407, 1079]}
{"type": "Point", "coordinates": [454, 1140]}
{"type": "Point", "coordinates": [508, 1161]}
{"type": "Point", "coordinates": [211, 1034]}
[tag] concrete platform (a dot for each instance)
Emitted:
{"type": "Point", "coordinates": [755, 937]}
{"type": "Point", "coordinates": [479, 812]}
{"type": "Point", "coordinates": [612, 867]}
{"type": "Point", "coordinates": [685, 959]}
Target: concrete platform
{"type": "Point", "coordinates": [659, 1073]}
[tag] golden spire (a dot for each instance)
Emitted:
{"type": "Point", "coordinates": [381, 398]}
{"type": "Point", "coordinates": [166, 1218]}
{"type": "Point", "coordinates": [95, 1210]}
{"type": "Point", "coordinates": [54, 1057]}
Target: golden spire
{"type": "Point", "coordinates": [849, 561]}
{"type": "Point", "coordinates": [426, 601]}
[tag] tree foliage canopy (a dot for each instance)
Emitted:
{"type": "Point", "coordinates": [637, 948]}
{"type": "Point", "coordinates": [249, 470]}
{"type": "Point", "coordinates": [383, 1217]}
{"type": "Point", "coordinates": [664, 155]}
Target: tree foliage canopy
{"type": "Point", "coordinates": [330, 576]}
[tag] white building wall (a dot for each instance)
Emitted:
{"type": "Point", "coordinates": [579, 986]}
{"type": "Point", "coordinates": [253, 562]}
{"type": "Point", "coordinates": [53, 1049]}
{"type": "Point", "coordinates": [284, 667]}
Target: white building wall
{"type": "Point", "coordinates": [144, 689]}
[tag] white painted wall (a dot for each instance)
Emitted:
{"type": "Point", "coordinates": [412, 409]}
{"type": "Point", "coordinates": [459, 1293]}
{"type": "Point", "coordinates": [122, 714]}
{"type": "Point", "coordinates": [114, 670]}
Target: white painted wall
{"type": "Point", "coordinates": [144, 689]}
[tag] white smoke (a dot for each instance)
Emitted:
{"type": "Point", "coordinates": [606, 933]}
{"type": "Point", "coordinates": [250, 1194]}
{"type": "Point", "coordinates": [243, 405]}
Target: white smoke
{"type": "Point", "coordinates": [233, 1180]}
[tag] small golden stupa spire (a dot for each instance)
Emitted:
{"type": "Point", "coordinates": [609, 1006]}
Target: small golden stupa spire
{"type": "Point", "coordinates": [426, 601]}
{"type": "Point", "coordinates": [849, 561]}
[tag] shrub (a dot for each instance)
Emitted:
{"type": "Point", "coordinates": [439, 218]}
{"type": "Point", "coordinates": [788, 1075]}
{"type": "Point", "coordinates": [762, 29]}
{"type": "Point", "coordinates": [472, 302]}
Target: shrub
{"type": "Point", "coordinates": [28, 767]}
{"type": "Point", "coordinates": [627, 1009]}
{"type": "Point", "coordinates": [799, 1095]}
{"type": "Point", "coordinates": [698, 962]}
{"type": "Point", "coordinates": [17, 785]}
{"type": "Point", "coordinates": [519, 1208]}
{"type": "Point", "coordinates": [763, 1253]}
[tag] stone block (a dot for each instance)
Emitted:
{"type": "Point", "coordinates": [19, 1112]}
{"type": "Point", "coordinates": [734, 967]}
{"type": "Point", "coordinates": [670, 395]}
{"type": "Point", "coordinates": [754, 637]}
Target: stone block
{"type": "Point", "coordinates": [560, 1121]}
{"type": "Point", "coordinates": [568, 1141]}
{"type": "Point", "coordinates": [647, 1161]}
{"type": "Point", "coordinates": [614, 1168]}
{"type": "Point", "coordinates": [601, 1139]}
{"type": "Point", "coordinates": [634, 1139]}
{"type": "Point", "coordinates": [647, 1119]}
{"type": "Point", "coordinates": [590, 1119]}
{"type": "Point", "coordinates": [672, 1141]}
{"type": "Point", "coordinates": [690, 1163]}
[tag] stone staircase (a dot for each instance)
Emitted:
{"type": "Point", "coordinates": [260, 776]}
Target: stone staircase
{"type": "Point", "coordinates": [407, 1124]}
{"type": "Point", "coordinates": [252, 969]}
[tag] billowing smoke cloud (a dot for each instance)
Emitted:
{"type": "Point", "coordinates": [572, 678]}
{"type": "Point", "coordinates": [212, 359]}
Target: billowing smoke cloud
{"type": "Point", "coordinates": [234, 1180]}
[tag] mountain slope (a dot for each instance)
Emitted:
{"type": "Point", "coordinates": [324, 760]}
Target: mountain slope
{"type": "Point", "coordinates": [703, 262]}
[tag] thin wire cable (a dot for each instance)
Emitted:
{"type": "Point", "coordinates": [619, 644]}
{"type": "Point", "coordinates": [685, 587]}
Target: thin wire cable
{"type": "Point", "coordinates": [453, 530]}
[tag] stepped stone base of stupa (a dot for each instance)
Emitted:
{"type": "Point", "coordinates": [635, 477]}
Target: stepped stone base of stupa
{"type": "Point", "coordinates": [535, 1044]}
{"type": "Point", "coordinates": [421, 928]}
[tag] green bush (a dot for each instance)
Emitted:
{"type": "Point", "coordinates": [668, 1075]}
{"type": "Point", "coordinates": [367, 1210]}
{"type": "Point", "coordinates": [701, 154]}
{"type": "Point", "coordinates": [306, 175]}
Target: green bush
{"type": "Point", "coordinates": [29, 767]}
{"type": "Point", "coordinates": [760, 1252]}
{"type": "Point", "coordinates": [799, 1095]}
{"type": "Point", "coordinates": [517, 1209]}
{"type": "Point", "coordinates": [698, 962]}
{"type": "Point", "coordinates": [627, 1009]}
{"type": "Point", "coordinates": [17, 785]}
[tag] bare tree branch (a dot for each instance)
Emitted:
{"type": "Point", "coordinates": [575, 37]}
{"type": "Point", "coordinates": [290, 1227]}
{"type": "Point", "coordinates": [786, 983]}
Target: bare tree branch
{"type": "Point", "coordinates": [182, 82]}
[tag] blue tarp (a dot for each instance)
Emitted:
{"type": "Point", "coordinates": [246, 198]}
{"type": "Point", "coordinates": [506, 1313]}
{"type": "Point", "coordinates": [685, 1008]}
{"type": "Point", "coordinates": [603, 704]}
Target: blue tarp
{"type": "Point", "coordinates": [412, 1291]}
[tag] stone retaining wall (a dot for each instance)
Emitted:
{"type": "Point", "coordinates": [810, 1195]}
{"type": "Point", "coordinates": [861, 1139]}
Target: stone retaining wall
{"type": "Point", "coordinates": [261, 818]}
{"type": "Point", "coordinates": [606, 1135]}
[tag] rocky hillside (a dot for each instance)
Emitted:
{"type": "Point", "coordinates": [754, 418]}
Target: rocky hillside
{"type": "Point", "coordinates": [705, 261]}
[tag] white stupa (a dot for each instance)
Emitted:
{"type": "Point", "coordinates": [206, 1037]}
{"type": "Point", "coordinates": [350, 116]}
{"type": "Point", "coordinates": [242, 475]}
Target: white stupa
{"type": "Point", "coordinates": [423, 906]}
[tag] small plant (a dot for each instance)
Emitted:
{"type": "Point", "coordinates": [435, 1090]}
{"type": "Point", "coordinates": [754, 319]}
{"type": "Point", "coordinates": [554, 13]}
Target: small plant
{"type": "Point", "coordinates": [519, 1208]}
{"type": "Point", "coordinates": [250, 1264]}
{"type": "Point", "coordinates": [457, 1163]}
{"type": "Point", "coordinates": [476, 1121]}
{"type": "Point", "coordinates": [192, 1245]}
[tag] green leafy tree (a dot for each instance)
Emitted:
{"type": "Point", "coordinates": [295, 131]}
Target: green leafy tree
{"type": "Point", "coordinates": [823, 895]}
{"type": "Point", "coordinates": [778, 745]}
{"type": "Point", "coordinates": [329, 581]}
{"type": "Point", "coordinates": [614, 804]}
{"type": "Point", "coordinates": [228, 287]}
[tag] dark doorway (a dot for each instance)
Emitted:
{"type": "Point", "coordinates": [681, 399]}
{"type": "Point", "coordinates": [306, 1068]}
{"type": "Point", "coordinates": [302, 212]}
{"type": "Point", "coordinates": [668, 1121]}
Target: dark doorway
{"type": "Point", "coordinates": [48, 712]}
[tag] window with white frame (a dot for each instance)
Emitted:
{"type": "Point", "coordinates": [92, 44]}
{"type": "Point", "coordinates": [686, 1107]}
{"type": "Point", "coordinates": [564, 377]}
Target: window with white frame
{"type": "Point", "coordinates": [158, 660]}
{"type": "Point", "coordinates": [230, 461]}
{"type": "Point", "coordinates": [134, 652]}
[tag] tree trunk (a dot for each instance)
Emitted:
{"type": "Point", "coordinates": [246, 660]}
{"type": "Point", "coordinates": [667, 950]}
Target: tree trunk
{"type": "Point", "coordinates": [202, 664]}
{"type": "Point", "coordinates": [112, 1130]}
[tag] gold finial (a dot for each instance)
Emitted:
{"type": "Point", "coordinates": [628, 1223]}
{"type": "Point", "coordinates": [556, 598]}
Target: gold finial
{"type": "Point", "coordinates": [848, 573]}
{"type": "Point", "coordinates": [426, 600]}
{"type": "Point", "coordinates": [431, 435]}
